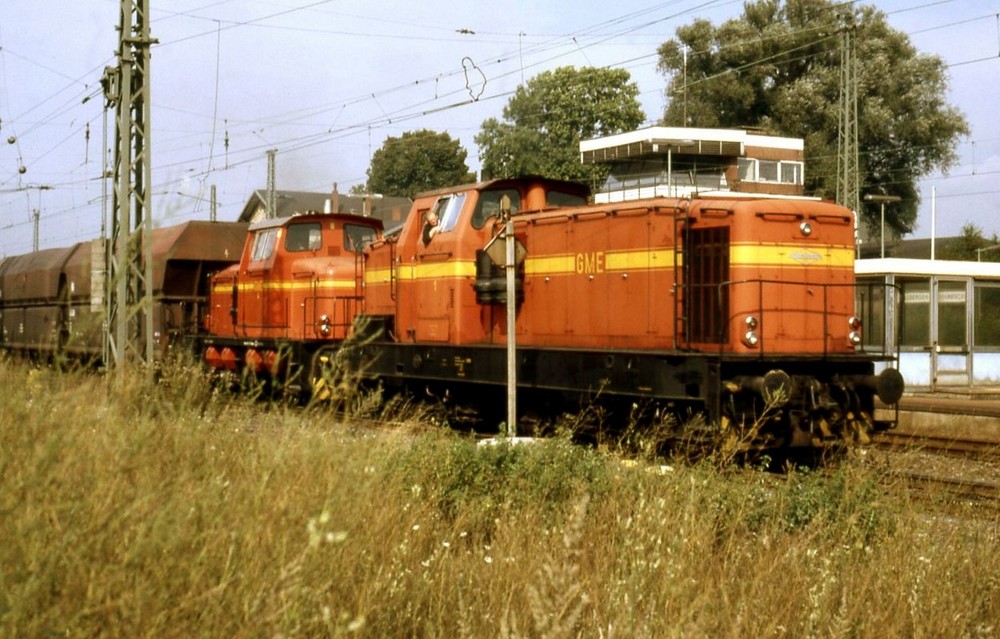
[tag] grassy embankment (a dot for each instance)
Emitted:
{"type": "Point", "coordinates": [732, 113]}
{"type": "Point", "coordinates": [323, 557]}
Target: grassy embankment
{"type": "Point", "coordinates": [159, 510]}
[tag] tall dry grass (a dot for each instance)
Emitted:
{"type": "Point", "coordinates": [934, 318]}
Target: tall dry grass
{"type": "Point", "coordinates": [135, 508]}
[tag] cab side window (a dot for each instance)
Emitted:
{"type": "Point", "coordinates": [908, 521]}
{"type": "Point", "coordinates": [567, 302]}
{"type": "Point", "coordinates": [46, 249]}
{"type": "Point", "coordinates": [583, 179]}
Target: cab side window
{"type": "Point", "coordinates": [448, 209]}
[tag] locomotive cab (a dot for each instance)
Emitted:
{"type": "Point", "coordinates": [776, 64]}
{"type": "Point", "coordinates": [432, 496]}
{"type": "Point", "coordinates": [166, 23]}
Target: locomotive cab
{"type": "Point", "coordinates": [424, 283]}
{"type": "Point", "coordinates": [298, 285]}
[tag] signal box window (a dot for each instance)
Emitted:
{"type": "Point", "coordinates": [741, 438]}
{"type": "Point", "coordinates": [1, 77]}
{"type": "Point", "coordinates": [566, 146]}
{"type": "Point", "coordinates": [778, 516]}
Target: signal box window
{"type": "Point", "coordinates": [263, 245]}
{"type": "Point", "coordinates": [777, 171]}
{"type": "Point", "coordinates": [791, 173]}
{"type": "Point", "coordinates": [304, 237]}
{"type": "Point", "coordinates": [489, 205]}
{"type": "Point", "coordinates": [767, 171]}
{"type": "Point", "coordinates": [357, 237]}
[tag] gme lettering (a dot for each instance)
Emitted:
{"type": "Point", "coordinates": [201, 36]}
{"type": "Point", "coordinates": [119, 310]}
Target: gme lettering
{"type": "Point", "coordinates": [588, 263]}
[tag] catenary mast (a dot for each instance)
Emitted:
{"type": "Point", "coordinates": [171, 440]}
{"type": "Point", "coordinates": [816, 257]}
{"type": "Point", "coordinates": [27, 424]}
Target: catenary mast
{"type": "Point", "coordinates": [129, 281]}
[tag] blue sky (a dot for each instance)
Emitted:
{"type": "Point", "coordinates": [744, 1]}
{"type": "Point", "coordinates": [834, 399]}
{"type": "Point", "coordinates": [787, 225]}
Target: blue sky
{"type": "Point", "coordinates": [325, 82]}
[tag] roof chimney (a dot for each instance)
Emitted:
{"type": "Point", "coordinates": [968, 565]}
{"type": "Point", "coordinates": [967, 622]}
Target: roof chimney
{"type": "Point", "coordinates": [336, 199]}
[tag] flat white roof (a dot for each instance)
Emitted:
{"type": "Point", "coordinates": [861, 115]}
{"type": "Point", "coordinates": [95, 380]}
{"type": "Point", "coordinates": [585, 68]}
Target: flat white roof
{"type": "Point", "coordinates": [908, 266]}
{"type": "Point", "coordinates": [679, 135]}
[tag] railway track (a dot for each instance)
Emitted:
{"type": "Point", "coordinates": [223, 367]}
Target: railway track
{"type": "Point", "coordinates": [953, 493]}
{"type": "Point", "coordinates": [961, 447]}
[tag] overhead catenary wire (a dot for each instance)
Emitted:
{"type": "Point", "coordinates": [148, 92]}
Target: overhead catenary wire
{"type": "Point", "coordinates": [414, 110]}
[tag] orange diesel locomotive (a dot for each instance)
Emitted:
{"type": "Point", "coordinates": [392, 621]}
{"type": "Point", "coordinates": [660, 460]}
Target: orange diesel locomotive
{"type": "Point", "coordinates": [723, 305]}
{"type": "Point", "coordinates": [296, 291]}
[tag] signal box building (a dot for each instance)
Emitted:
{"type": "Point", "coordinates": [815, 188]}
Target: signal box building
{"type": "Point", "coordinates": [683, 161]}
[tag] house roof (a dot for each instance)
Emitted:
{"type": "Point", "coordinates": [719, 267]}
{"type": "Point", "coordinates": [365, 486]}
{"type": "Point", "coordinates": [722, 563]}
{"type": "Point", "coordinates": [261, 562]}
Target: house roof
{"type": "Point", "coordinates": [391, 210]}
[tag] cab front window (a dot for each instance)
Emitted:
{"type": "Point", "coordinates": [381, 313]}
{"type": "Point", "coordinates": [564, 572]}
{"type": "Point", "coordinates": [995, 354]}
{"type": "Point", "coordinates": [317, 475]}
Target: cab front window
{"type": "Point", "coordinates": [488, 205]}
{"type": "Point", "coordinates": [358, 236]}
{"type": "Point", "coordinates": [263, 245]}
{"type": "Point", "coordinates": [304, 237]}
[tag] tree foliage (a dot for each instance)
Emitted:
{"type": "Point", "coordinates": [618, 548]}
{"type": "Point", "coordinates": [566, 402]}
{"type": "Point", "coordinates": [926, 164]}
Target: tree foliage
{"type": "Point", "coordinates": [778, 67]}
{"type": "Point", "coordinates": [547, 117]}
{"type": "Point", "coordinates": [418, 161]}
{"type": "Point", "coordinates": [971, 245]}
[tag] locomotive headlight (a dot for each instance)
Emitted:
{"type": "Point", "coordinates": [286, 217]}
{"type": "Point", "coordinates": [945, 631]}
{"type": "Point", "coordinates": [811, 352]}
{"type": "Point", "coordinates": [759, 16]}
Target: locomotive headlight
{"type": "Point", "coordinates": [806, 229]}
{"type": "Point", "coordinates": [324, 324]}
{"type": "Point", "coordinates": [750, 338]}
{"type": "Point", "coordinates": [854, 337]}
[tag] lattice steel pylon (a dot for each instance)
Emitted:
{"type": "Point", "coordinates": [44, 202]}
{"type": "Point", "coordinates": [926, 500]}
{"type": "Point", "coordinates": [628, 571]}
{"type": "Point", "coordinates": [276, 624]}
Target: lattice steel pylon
{"type": "Point", "coordinates": [848, 169]}
{"type": "Point", "coordinates": [129, 266]}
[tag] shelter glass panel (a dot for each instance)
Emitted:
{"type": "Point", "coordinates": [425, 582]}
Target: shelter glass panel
{"type": "Point", "coordinates": [915, 317]}
{"type": "Point", "coordinates": [870, 303]}
{"type": "Point", "coordinates": [952, 314]}
{"type": "Point", "coordinates": [986, 322]}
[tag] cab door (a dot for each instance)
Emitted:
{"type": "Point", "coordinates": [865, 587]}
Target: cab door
{"type": "Point", "coordinates": [437, 271]}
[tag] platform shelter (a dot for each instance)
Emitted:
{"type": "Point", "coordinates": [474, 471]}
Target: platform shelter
{"type": "Point", "coordinates": [941, 317]}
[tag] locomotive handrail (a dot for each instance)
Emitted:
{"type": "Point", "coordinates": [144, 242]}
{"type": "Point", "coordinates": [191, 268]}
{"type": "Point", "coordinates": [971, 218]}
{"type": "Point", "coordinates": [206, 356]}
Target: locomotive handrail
{"type": "Point", "coordinates": [589, 215]}
{"type": "Point", "coordinates": [343, 314]}
{"type": "Point", "coordinates": [778, 214]}
{"type": "Point", "coordinates": [632, 212]}
{"type": "Point", "coordinates": [724, 329]}
{"type": "Point", "coordinates": [822, 217]}
{"type": "Point", "coordinates": [548, 219]}
{"type": "Point", "coordinates": [668, 210]}
{"type": "Point", "coordinates": [436, 255]}
{"type": "Point", "coordinates": [716, 212]}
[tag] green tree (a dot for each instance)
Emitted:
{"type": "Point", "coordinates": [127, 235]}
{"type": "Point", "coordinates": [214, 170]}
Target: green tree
{"type": "Point", "coordinates": [547, 117]}
{"type": "Point", "coordinates": [965, 246]}
{"type": "Point", "coordinates": [418, 161]}
{"type": "Point", "coordinates": [777, 67]}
